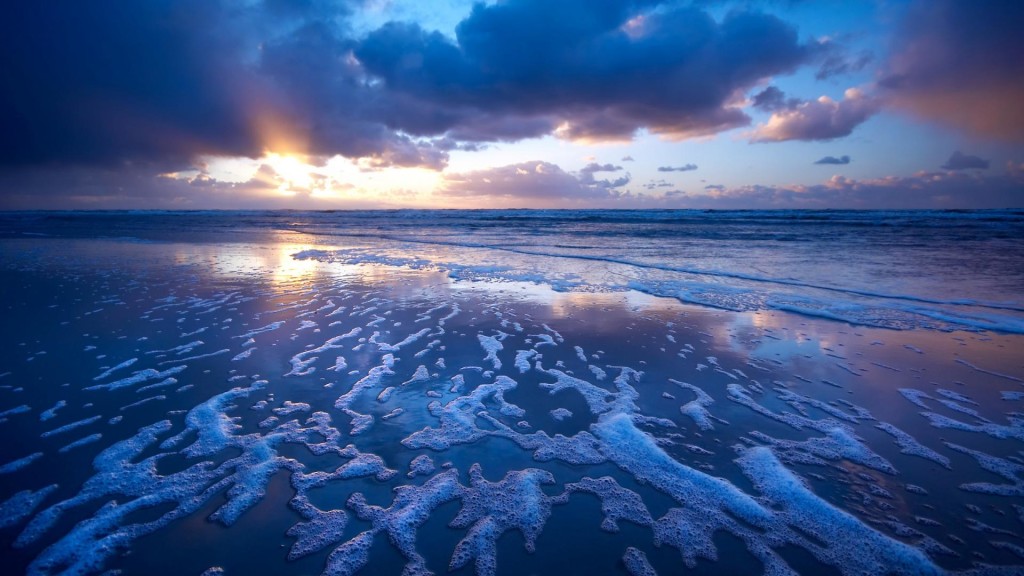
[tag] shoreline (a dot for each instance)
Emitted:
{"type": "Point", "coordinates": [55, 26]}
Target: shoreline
{"type": "Point", "coordinates": [702, 386]}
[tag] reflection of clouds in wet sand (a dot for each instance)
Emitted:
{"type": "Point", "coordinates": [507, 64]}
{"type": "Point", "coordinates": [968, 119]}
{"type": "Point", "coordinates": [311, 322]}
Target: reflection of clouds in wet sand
{"type": "Point", "coordinates": [338, 376]}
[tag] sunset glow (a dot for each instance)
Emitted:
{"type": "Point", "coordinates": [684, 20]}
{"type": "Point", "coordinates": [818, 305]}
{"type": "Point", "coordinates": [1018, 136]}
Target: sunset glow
{"type": "Point", "coordinates": [395, 104]}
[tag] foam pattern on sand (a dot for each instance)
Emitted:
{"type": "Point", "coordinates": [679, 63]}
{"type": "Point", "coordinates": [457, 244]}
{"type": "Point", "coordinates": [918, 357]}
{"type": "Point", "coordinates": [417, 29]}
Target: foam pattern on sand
{"type": "Point", "coordinates": [410, 508]}
{"type": "Point", "coordinates": [837, 444]}
{"type": "Point", "coordinates": [617, 503]}
{"type": "Point", "coordinates": [489, 509]}
{"type": "Point", "coordinates": [385, 406]}
{"type": "Point", "coordinates": [850, 545]}
{"type": "Point", "coordinates": [637, 564]}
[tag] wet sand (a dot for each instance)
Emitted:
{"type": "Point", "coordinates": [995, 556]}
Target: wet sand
{"type": "Point", "coordinates": [706, 389]}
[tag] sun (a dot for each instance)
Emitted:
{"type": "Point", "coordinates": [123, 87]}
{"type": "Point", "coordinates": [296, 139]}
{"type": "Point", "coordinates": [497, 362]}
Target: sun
{"type": "Point", "coordinates": [294, 172]}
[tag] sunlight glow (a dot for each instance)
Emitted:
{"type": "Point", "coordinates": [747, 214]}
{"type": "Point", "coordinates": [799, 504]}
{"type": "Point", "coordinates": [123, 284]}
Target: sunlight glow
{"type": "Point", "coordinates": [293, 172]}
{"type": "Point", "coordinates": [329, 182]}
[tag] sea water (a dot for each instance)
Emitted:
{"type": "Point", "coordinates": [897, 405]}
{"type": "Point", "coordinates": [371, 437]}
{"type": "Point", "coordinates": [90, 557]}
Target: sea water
{"type": "Point", "coordinates": [512, 392]}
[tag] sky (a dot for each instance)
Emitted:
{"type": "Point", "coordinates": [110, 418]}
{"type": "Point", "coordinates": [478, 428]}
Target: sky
{"type": "Point", "coordinates": [354, 104]}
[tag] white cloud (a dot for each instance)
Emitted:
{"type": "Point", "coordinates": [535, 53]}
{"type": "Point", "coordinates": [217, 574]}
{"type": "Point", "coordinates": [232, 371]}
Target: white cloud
{"type": "Point", "coordinates": [821, 119]}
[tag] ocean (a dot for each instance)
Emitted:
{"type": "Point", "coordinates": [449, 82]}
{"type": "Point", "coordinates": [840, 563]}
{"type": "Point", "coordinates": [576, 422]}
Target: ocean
{"type": "Point", "coordinates": [512, 392]}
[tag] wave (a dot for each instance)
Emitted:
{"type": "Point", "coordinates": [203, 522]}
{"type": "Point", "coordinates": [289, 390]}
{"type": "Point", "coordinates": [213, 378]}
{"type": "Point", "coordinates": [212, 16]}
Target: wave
{"type": "Point", "coordinates": [918, 268]}
{"type": "Point", "coordinates": [856, 309]}
{"type": "Point", "coordinates": [702, 272]}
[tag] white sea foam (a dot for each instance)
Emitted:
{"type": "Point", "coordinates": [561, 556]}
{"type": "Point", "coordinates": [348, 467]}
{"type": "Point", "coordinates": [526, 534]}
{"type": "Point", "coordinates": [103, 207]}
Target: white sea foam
{"type": "Point", "coordinates": [70, 426]}
{"type": "Point", "coordinates": [165, 383]}
{"type": "Point", "coordinates": [580, 354]}
{"type": "Point", "coordinates": [15, 465]}
{"type": "Point", "coordinates": [138, 378]}
{"type": "Point", "coordinates": [838, 444]}
{"type": "Point", "coordinates": [489, 509]}
{"type": "Point", "coordinates": [120, 366]}
{"type": "Point", "coordinates": [196, 357]}
{"type": "Point", "coordinates": [522, 361]}
{"type": "Point", "coordinates": [598, 399]}
{"type": "Point", "coordinates": [372, 380]}
{"type": "Point", "coordinates": [421, 375]}
{"type": "Point", "coordinates": [1010, 470]}
{"type": "Point", "coordinates": [697, 409]}
{"type": "Point", "coordinates": [410, 508]}
{"type": "Point", "coordinates": [143, 401]}
{"type": "Point", "coordinates": [22, 504]}
{"type": "Point", "coordinates": [909, 445]}
{"type": "Point", "coordinates": [290, 407]}
{"type": "Point", "coordinates": [561, 414]}
{"type": "Point", "coordinates": [851, 546]}
{"type": "Point", "coordinates": [301, 362]}
{"type": "Point", "coordinates": [421, 465]}
{"type": "Point", "coordinates": [319, 530]}
{"type": "Point", "coordinates": [398, 346]}
{"type": "Point", "coordinates": [243, 354]}
{"type": "Point", "coordinates": [22, 409]}
{"type": "Point", "coordinates": [80, 442]}
{"type": "Point", "coordinates": [1014, 430]}
{"type": "Point", "coordinates": [492, 345]}
{"type": "Point", "coordinates": [617, 503]}
{"type": "Point", "coordinates": [458, 417]}
{"type": "Point", "coordinates": [637, 564]}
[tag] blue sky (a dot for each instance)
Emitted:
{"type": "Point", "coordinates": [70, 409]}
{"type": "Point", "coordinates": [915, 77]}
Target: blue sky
{"type": "Point", "coordinates": [521, 103]}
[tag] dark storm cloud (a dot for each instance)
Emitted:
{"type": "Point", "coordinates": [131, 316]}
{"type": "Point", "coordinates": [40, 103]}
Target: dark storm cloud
{"type": "Point", "coordinates": [833, 160]}
{"type": "Point", "coordinates": [961, 161]}
{"type": "Point", "coordinates": [89, 83]}
{"type": "Point", "coordinates": [959, 63]}
{"type": "Point", "coordinates": [588, 66]}
{"type": "Point", "coordinates": [684, 168]}
{"type": "Point", "coordinates": [165, 81]}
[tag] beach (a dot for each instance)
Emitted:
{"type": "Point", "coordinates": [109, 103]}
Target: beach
{"type": "Point", "coordinates": [512, 392]}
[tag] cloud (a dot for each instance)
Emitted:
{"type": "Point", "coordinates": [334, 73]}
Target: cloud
{"type": "Point", "coordinates": [958, 63]}
{"type": "Point", "coordinates": [535, 183]}
{"type": "Point", "coordinates": [165, 82]}
{"type": "Point", "coordinates": [684, 168]}
{"type": "Point", "coordinates": [544, 184]}
{"type": "Point", "coordinates": [961, 161]}
{"type": "Point", "coordinates": [594, 167]}
{"type": "Point", "coordinates": [586, 68]}
{"type": "Point", "coordinates": [821, 119]}
{"type": "Point", "coordinates": [627, 159]}
{"type": "Point", "coordinates": [840, 63]}
{"type": "Point", "coordinates": [84, 83]}
{"type": "Point", "coordinates": [833, 160]}
{"type": "Point", "coordinates": [771, 99]}
{"type": "Point", "coordinates": [142, 186]}
{"type": "Point", "coordinates": [655, 184]}
{"type": "Point", "coordinates": [840, 66]}
{"type": "Point", "coordinates": [540, 184]}
{"type": "Point", "coordinates": [924, 190]}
